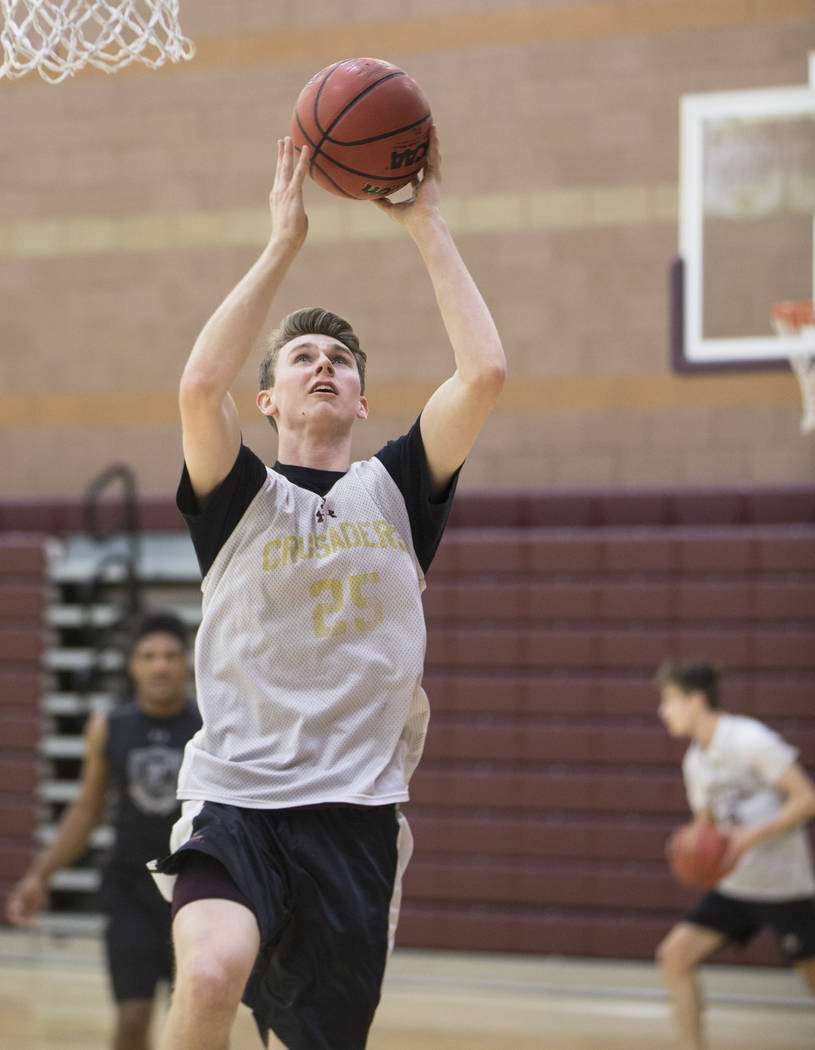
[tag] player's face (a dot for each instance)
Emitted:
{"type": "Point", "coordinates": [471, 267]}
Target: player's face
{"type": "Point", "coordinates": [676, 709]}
{"type": "Point", "coordinates": [159, 668]}
{"type": "Point", "coordinates": [316, 379]}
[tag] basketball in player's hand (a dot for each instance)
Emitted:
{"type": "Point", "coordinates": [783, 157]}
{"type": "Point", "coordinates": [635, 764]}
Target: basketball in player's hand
{"type": "Point", "coordinates": [367, 125]}
{"type": "Point", "coordinates": [697, 855]}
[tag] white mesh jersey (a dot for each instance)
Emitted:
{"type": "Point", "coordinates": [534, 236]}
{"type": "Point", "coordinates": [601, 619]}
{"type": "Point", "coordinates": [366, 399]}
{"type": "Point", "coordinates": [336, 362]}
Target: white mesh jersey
{"type": "Point", "coordinates": [310, 652]}
{"type": "Point", "coordinates": [735, 775]}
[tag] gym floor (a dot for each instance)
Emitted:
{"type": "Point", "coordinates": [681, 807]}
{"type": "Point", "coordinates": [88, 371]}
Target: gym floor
{"type": "Point", "coordinates": [54, 996]}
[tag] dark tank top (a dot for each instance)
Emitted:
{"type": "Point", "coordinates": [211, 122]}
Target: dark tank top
{"type": "Point", "coordinates": [144, 754]}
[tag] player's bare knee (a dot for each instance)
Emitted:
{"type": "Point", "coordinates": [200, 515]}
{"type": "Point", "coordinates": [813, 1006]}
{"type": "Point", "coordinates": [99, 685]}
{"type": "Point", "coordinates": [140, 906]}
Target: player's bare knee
{"type": "Point", "coordinates": [664, 949]}
{"type": "Point", "coordinates": [664, 954]}
{"type": "Point", "coordinates": [213, 983]}
{"type": "Point", "coordinates": [670, 955]}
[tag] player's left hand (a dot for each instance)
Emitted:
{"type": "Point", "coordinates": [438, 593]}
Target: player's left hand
{"type": "Point", "coordinates": [426, 196]}
{"type": "Point", "coordinates": [740, 840]}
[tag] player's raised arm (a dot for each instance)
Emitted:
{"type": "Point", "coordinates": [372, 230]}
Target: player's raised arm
{"type": "Point", "coordinates": [456, 411]}
{"type": "Point", "coordinates": [209, 417]}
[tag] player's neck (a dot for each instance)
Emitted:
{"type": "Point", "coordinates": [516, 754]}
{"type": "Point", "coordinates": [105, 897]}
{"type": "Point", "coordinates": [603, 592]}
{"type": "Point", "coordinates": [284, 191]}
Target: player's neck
{"type": "Point", "coordinates": [318, 451]}
{"type": "Point", "coordinates": [166, 707]}
{"type": "Point", "coordinates": [705, 728]}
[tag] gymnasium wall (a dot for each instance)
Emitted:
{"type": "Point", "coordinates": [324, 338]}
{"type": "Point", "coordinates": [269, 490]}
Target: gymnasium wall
{"type": "Point", "coordinates": [131, 204]}
{"type": "Point", "coordinates": [548, 785]}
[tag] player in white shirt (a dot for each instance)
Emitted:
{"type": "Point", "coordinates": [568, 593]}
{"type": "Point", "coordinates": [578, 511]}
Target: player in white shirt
{"type": "Point", "coordinates": [285, 868]}
{"type": "Point", "coordinates": [743, 776]}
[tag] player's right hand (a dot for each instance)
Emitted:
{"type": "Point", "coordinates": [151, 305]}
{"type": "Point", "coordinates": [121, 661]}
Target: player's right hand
{"type": "Point", "coordinates": [26, 900]}
{"type": "Point", "coordinates": [289, 219]}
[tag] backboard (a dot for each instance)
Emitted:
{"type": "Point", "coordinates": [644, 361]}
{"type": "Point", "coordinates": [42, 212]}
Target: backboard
{"type": "Point", "coordinates": [746, 224]}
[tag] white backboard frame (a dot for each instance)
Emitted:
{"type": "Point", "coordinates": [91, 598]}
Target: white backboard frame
{"type": "Point", "coordinates": [697, 351]}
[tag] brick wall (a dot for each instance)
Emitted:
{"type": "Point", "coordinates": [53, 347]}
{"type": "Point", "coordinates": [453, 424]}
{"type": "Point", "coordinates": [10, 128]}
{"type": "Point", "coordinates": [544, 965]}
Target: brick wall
{"type": "Point", "coordinates": [22, 606]}
{"type": "Point", "coordinates": [133, 202]}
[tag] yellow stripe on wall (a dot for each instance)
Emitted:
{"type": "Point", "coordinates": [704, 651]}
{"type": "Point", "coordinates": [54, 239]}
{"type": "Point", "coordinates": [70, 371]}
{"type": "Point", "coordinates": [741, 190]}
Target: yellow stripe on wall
{"type": "Point", "coordinates": [333, 223]}
{"type": "Point", "coordinates": [533, 396]}
{"type": "Point", "coordinates": [523, 25]}
{"type": "Point", "coordinates": [530, 24]}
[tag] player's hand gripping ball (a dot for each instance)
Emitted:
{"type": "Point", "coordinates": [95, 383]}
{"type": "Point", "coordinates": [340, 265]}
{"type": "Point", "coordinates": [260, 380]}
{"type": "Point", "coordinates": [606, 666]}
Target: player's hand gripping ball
{"type": "Point", "coordinates": [698, 855]}
{"type": "Point", "coordinates": [367, 125]}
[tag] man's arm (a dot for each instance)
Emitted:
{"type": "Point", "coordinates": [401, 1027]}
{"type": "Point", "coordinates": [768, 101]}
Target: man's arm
{"type": "Point", "coordinates": [30, 895]}
{"type": "Point", "coordinates": [211, 428]}
{"type": "Point", "coordinates": [798, 809]}
{"type": "Point", "coordinates": [703, 816]}
{"type": "Point", "coordinates": [453, 416]}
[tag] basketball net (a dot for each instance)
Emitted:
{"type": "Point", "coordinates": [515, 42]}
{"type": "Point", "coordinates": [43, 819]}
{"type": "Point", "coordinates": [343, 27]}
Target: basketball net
{"type": "Point", "coordinates": [57, 38]}
{"type": "Point", "coordinates": [798, 320]}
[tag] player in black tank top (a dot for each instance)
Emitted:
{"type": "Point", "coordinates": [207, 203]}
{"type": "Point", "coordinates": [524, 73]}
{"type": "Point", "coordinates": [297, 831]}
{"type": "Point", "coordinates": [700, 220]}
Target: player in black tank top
{"type": "Point", "coordinates": [132, 755]}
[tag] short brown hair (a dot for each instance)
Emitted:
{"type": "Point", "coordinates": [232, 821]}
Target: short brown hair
{"type": "Point", "coordinates": [310, 320]}
{"type": "Point", "coordinates": [160, 621]}
{"type": "Point", "coordinates": [692, 676]}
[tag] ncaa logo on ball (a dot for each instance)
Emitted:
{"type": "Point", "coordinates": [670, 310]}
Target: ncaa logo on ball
{"type": "Point", "coordinates": [406, 158]}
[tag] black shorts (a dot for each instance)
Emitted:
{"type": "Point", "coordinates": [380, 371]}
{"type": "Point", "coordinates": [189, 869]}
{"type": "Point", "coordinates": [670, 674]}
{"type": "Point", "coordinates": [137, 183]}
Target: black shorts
{"type": "Point", "coordinates": [740, 920]}
{"type": "Point", "coordinates": [138, 940]}
{"type": "Point", "coordinates": [320, 882]}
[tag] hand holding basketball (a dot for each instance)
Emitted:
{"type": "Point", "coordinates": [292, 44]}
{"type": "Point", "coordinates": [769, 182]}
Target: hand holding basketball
{"type": "Point", "coordinates": [739, 841]}
{"type": "Point", "coordinates": [426, 189]}
{"type": "Point", "coordinates": [699, 855]}
{"type": "Point", "coordinates": [289, 219]}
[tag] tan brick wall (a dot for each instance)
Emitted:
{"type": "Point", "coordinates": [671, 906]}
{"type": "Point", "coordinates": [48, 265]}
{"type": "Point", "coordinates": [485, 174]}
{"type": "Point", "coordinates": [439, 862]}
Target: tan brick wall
{"type": "Point", "coordinates": [133, 202]}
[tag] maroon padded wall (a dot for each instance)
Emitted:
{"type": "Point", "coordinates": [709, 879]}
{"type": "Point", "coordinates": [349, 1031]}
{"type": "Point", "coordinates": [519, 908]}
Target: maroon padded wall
{"type": "Point", "coordinates": [548, 786]}
{"type": "Point", "coordinates": [22, 605]}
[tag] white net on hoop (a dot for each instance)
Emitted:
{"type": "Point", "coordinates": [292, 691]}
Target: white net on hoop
{"type": "Point", "coordinates": [804, 367]}
{"type": "Point", "coordinates": [797, 319]}
{"type": "Point", "coordinates": [57, 38]}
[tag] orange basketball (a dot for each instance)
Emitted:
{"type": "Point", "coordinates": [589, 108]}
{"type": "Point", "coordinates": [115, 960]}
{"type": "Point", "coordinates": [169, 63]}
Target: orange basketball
{"type": "Point", "coordinates": [367, 125]}
{"type": "Point", "coordinates": [696, 855]}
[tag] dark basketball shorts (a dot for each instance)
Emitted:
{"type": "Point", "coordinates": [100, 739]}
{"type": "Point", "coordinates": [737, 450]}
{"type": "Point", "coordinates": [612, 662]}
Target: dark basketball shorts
{"type": "Point", "coordinates": [138, 941]}
{"type": "Point", "coordinates": [740, 920]}
{"type": "Point", "coordinates": [321, 882]}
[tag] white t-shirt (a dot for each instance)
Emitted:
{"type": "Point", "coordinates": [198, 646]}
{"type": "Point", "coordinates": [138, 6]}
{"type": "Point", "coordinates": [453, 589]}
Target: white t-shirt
{"type": "Point", "coordinates": [310, 653]}
{"type": "Point", "coordinates": [735, 776]}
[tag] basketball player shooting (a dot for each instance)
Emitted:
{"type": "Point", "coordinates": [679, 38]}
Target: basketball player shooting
{"type": "Point", "coordinates": [287, 860]}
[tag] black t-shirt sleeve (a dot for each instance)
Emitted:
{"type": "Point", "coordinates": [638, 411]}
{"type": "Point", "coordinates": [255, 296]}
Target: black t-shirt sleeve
{"type": "Point", "coordinates": [212, 526]}
{"type": "Point", "coordinates": [406, 462]}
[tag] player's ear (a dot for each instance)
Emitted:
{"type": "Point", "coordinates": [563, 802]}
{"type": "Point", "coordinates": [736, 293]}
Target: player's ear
{"type": "Point", "coordinates": [362, 408]}
{"type": "Point", "coordinates": [266, 402]}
